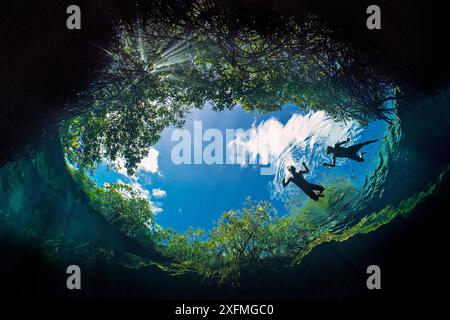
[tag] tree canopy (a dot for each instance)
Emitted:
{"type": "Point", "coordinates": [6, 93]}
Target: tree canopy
{"type": "Point", "coordinates": [159, 71]}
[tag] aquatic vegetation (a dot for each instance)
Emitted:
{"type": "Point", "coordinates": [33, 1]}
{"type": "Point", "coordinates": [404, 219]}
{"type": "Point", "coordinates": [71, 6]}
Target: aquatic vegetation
{"type": "Point", "coordinates": [241, 241]}
{"type": "Point", "coordinates": [340, 204]}
{"type": "Point", "coordinates": [43, 205]}
{"type": "Point", "coordinates": [377, 219]}
{"type": "Point", "coordinates": [255, 238]}
{"type": "Point", "coordinates": [120, 204]}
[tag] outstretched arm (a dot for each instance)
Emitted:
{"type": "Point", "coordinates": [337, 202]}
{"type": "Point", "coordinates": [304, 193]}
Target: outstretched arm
{"type": "Point", "coordinates": [332, 164]}
{"type": "Point", "coordinates": [285, 183]}
{"type": "Point", "coordinates": [343, 142]}
{"type": "Point", "coordinates": [306, 168]}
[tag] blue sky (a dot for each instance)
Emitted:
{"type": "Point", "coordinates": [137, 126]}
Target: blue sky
{"type": "Point", "coordinates": [197, 194]}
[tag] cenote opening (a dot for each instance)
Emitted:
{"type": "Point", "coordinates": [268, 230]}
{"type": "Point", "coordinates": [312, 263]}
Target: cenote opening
{"type": "Point", "coordinates": [248, 162]}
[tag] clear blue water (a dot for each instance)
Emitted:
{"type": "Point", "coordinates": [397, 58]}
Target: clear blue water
{"type": "Point", "coordinates": [185, 195]}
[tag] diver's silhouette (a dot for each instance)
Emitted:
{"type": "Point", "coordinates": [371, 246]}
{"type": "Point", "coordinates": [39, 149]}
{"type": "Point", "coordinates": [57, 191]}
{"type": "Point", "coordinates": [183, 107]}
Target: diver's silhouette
{"type": "Point", "coordinates": [307, 187]}
{"type": "Point", "coordinates": [342, 152]}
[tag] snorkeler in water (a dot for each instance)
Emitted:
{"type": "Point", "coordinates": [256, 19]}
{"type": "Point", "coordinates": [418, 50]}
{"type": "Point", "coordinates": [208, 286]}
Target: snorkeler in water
{"type": "Point", "coordinates": [307, 187]}
{"type": "Point", "coordinates": [346, 152]}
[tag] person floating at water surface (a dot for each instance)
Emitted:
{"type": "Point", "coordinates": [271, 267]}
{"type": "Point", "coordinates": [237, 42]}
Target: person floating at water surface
{"type": "Point", "coordinates": [307, 187]}
{"type": "Point", "coordinates": [346, 152]}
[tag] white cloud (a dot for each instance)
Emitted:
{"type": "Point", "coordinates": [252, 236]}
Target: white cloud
{"type": "Point", "coordinates": [150, 162]}
{"type": "Point", "coordinates": [158, 193]}
{"type": "Point", "coordinates": [156, 209]}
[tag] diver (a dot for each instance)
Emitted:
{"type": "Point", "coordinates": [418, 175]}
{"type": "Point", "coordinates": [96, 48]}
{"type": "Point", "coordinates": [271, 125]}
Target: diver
{"type": "Point", "coordinates": [346, 152]}
{"type": "Point", "coordinates": [307, 187]}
